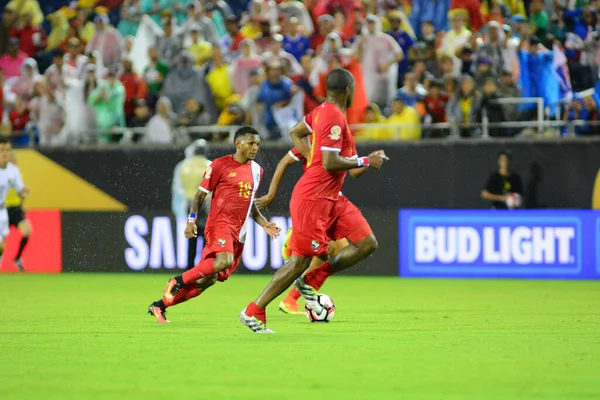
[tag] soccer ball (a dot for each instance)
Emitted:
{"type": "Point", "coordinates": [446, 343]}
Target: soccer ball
{"type": "Point", "coordinates": [325, 314]}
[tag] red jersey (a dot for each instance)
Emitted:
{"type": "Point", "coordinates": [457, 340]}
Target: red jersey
{"type": "Point", "coordinates": [233, 186]}
{"type": "Point", "coordinates": [330, 132]}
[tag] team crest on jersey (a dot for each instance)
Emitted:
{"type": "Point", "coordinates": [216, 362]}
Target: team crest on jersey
{"type": "Point", "coordinates": [221, 242]}
{"type": "Point", "coordinates": [232, 174]}
{"type": "Point", "coordinates": [208, 173]}
{"type": "Point", "coordinates": [335, 133]}
{"type": "Point", "coordinates": [315, 245]}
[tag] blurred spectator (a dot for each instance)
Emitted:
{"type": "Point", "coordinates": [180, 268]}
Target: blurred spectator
{"type": "Point", "coordinates": [493, 110]}
{"type": "Point", "coordinates": [435, 104]}
{"type": "Point", "coordinates": [403, 114]}
{"type": "Point", "coordinates": [591, 104]}
{"type": "Point", "coordinates": [12, 61]}
{"type": "Point", "coordinates": [426, 44]}
{"type": "Point", "coordinates": [515, 7]}
{"type": "Point", "coordinates": [84, 29]}
{"type": "Point", "coordinates": [19, 115]}
{"type": "Point", "coordinates": [218, 79]}
{"type": "Point", "coordinates": [302, 81]}
{"type": "Point", "coordinates": [108, 42]}
{"type": "Point", "coordinates": [233, 113]}
{"type": "Point", "coordinates": [454, 40]}
{"type": "Point", "coordinates": [169, 44]}
{"type": "Point", "coordinates": [483, 72]}
{"type": "Point", "coordinates": [243, 65]}
{"type": "Point", "coordinates": [27, 8]}
{"type": "Point", "coordinates": [446, 67]}
{"type": "Point", "coordinates": [254, 113]}
{"type": "Point", "coordinates": [509, 52]}
{"type": "Point", "coordinates": [263, 41]}
{"type": "Point", "coordinates": [590, 54]}
{"type": "Point", "coordinates": [200, 49]}
{"type": "Point", "coordinates": [325, 25]}
{"type": "Point", "coordinates": [378, 54]}
{"type": "Point", "coordinates": [463, 107]}
{"type": "Point", "coordinates": [1, 98]}
{"type": "Point", "coordinates": [32, 38]}
{"type": "Point", "coordinates": [90, 81]}
{"type": "Point", "coordinates": [214, 14]}
{"type": "Point", "coordinates": [412, 92]}
{"type": "Point", "coordinates": [275, 92]}
{"type": "Point", "coordinates": [9, 20]}
{"type": "Point", "coordinates": [450, 87]}
{"type": "Point", "coordinates": [404, 40]}
{"type": "Point", "coordinates": [59, 73]}
{"type": "Point", "coordinates": [295, 43]}
{"type": "Point", "coordinates": [135, 89]}
{"type": "Point", "coordinates": [108, 100]}
{"type": "Point", "coordinates": [278, 55]}
{"type": "Point", "coordinates": [50, 116]}
{"type": "Point", "coordinates": [141, 115]}
{"type": "Point", "coordinates": [206, 27]}
{"type": "Point", "coordinates": [434, 11]}
{"type": "Point", "coordinates": [508, 88]}
{"type": "Point", "coordinates": [373, 116]}
{"type": "Point", "coordinates": [295, 9]}
{"type": "Point", "coordinates": [131, 15]}
{"type": "Point", "coordinates": [22, 85]}
{"type": "Point", "coordinates": [538, 18]}
{"type": "Point", "coordinates": [493, 48]}
{"type": "Point", "coordinates": [186, 81]}
{"type": "Point", "coordinates": [232, 41]}
{"type": "Point", "coordinates": [252, 27]}
{"type": "Point", "coordinates": [153, 8]}
{"type": "Point", "coordinates": [154, 75]}
{"type": "Point", "coordinates": [469, 9]}
{"type": "Point", "coordinates": [194, 114]}
{"type": "Point", "coordinates": [159, 128]}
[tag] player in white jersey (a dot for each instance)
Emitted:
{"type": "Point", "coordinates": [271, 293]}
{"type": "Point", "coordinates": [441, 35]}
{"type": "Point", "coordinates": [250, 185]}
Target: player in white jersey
{"type": "Point", "coordinates": [10, 176]}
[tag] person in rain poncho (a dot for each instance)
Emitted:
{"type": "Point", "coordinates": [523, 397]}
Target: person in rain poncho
{"type": "Point", "coordinates": [186, 177]}
{"type": "Point", "coordinates": [108, 101]}
{"type": "Point", "coordinates": [184, 81]}
{"type": "Point", "coordinates": [22, 85]}
{"type": "Point", "coordinates": [159, 128]}
{"type": "Point", "coordinates": [379, 54]}
{"type": "Point", "coordinates": [243, 65]}
{"type": "Point", "coordinates": [493, 48]}
{"type": "Point", "coordinates": [108, 42]}
{"type": "Point", "coordinates": [373, 116]}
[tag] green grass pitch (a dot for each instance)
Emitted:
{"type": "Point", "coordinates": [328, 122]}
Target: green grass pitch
{"type": "Point", "coordinates": [88, 337]}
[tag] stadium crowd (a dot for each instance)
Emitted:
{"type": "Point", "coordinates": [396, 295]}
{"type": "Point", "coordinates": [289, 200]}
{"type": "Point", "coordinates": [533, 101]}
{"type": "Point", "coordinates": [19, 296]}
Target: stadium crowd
{"type": "Point", "coordinates": [84, 68]}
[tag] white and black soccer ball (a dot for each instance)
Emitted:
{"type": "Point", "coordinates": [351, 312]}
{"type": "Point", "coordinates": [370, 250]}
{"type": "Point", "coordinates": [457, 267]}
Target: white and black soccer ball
{"type": "Point", "coordinates": [325, 314]}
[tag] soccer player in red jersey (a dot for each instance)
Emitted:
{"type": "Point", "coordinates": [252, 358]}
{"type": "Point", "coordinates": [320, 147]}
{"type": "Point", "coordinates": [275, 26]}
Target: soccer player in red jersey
{"type": "Point", "coordinates": [316, 207]}
{"type": "Point", "coordinates": [233, 181]}
{"type": "Point", "coordinates": [289, 304]}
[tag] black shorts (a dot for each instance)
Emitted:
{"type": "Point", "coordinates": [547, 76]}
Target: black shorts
{"type": "Point", "coordinates": [15, 216]}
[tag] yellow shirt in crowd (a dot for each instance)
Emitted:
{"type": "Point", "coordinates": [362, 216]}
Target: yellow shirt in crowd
{"type": "Point", "coordinates": [408, 116]}
{"type": "Point", "coordinates": [220, 85]}
{"type": "Point", "coordinates": [201, 52]}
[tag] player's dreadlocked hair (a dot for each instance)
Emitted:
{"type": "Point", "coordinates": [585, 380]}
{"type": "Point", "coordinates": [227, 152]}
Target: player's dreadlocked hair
{"type": "Point", "coordinates": [243, 131]}
{"type": "Point", "coordinates": [338, 80]}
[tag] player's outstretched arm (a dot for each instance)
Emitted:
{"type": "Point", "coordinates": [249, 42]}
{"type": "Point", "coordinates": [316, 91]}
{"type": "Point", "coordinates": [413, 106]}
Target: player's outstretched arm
{"type": "Point", "coordinates": [191, 231]}
{"type": "Point", "coordinates": [272, 230]}
{"type": "Point", "coordinates": [266, 200]}
{"type": "Point", "coordinates": [298, 133]}
{"type": "Point", "coordinates": [332, 161]}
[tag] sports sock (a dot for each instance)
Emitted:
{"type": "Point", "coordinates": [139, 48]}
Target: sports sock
{"type": "Point", "coordinates": [292, 296]}
{"type": "Point", "coordinates": [317, 277]}
{"type": "Point", "coordinates": [24, 241]}
{"type": "Point", "coordinates": [255, 311]}
{"type": "Point", "coordinates": [204, 268]}
{"type": "Point", "coordinates": [187, 292]}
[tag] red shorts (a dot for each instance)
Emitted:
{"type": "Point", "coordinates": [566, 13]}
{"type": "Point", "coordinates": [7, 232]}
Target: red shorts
{"type": "Point", "coordinates": [318, 221]}
{"type": "Point", "coordinates": [220, 240]}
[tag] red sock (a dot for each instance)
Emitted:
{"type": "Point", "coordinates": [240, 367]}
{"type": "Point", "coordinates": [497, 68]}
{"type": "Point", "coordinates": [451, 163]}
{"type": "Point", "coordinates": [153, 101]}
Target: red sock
{"type": "Point", "coordinates": [189, 291]}
{"type": "Point", "coordinates": [293, 295]}
{"type": "Point", "coordinates": [204, 268]}
{"type": "Point", "coordinates": [255, 311]}
{"type": "Point", "coordinates": [317, 277]}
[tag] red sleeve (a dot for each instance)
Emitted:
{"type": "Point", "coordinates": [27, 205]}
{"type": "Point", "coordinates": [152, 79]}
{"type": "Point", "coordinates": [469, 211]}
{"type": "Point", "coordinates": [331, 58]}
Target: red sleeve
{"type": "Point", "coordinates": [295, 154]}
{"type": "Point", "coordinates": [332, 129]}
{"type": "Point", "coordinates": [212, 176]}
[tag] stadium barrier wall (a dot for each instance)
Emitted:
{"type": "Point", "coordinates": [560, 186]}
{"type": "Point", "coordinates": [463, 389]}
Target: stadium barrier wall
{"type": "Point", "coordinates": [154, 242]}
{"type": "Point", "coordinates": [426, 174]}
{"type": "Point", "coordinates": [545, 244]}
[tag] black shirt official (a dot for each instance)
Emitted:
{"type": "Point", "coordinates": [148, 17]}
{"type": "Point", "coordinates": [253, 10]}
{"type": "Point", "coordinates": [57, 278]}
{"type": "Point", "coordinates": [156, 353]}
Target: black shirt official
{"type": "Point", "coordinates": [502, 182]}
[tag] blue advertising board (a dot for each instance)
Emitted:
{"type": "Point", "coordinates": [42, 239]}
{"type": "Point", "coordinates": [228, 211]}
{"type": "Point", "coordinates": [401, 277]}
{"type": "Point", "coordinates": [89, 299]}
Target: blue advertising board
{"type": "Point", "coordinates": [541, 244]}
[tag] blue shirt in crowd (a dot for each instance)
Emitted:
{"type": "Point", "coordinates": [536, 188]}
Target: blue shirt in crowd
{"type": "Point", "coordinates": [271, 93]}
{"type": "Point", "coordinates": [406, 42]}
{"type": "Point", "coordinates": [296, 46]}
